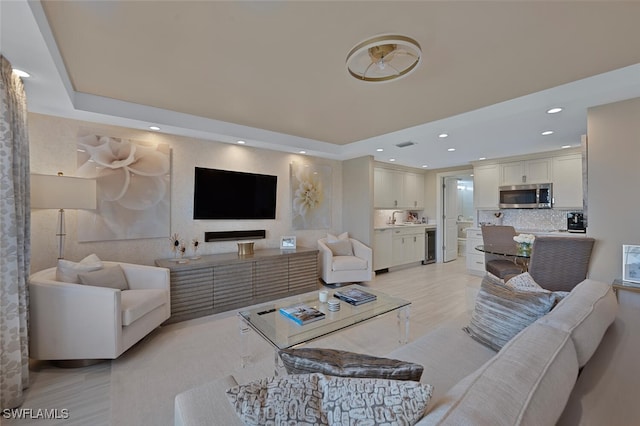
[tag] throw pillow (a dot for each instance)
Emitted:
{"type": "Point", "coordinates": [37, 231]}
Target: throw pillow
{"type": "Point", "coordinates": [347, 364]}
{"type": "Point", "coordinates": [524, 281]}
{"type": "Point", "coordinates": [341, 248]}
{"type": "Point", "coordinates": [323, 400]}
{"type": "Point", "coordinates": [67, 271]}
{"type": "Point", "coordinates": [111, 277]}
{"type": "Point", "coordinates": [332, 238]}
{"type": "Point", "coordinates": [502, 311]}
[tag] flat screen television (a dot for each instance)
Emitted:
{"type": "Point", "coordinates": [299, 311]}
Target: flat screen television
{"type": "Point", "coordinates": [225, 194]}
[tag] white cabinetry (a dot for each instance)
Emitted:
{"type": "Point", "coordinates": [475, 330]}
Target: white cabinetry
{"type": "Point", "coordinates": [408, 245]}
{"type": "Point", "coordinates": [527, 171]}
{"type": "Point", "coordinates": [388, 186]}
{"type": "Point", "coordinates": [397, 189]}
{"type": "Point", "coordinates": [475, 258]}
{"type": "Point", "coordinates": [382, 249]}
{"type": "Point", "coordinates": [486, 180]}
{"type": "Point", "coordinates": [413, 191]}
{"type": "Point", "coordinates": [567, 182]}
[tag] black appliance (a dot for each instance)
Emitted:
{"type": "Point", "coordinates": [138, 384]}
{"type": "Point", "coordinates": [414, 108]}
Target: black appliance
{"type": "Point", "coordinates": [225, 194]}
{"type": "Point", "coordinates": [429, 246]}
{"type": "Point", "coordinates": [576, 223]}
{"type": "Point", "coordinates": [533, 196]}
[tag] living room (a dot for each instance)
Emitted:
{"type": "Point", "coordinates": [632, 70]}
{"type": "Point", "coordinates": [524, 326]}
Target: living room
{"type": "Point", "coordinates": [611, 151]}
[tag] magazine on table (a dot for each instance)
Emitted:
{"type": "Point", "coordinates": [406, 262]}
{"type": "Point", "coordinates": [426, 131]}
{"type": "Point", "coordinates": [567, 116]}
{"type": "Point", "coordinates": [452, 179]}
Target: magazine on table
{"type": "Point", "coordinates": [302, 314]}
{"type": "Point", "coordinates": [355, 296]}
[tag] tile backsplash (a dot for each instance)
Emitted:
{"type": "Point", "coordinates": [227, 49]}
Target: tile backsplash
{"type": "Point", "coordinates": [527, 219]}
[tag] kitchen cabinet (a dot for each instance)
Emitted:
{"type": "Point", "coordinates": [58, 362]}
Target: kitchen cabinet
{"type": "Point", "coordinates": [382, 249]}
{"type": "Point", "coordinates": [475, 258]}
{"type": "Point", "coordinates": [527, 171]}
{"type": "Point", "coordinates": [413, 191]}
{"type": "Point", "coordinates": [486, 180]}
{"type": "Point", "coordinates": [397, 189]}
{"type": "Point", "coordinates": [388, 187]}
{"type": "Point", "coordinates": [408, 245]}
{"type": "Point", "coordinates": [567, 182]}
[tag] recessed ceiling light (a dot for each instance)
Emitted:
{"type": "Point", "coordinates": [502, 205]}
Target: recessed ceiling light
{"type": "Point", "coordinates": [21, 73]}
{"type": "Point", "coordinates": [241, 142]}
{"type": "Point", "coordinates": [392, 159]}
{"type": "Point", "coordinates": [424, 166]}
{"type": "Point", "coordinates": [547, 132]}
{"type": "Point", "coordinates": [302, 152]}
{"type": "Point", "coordinates": [443, 135]}
{"type": "Point", "coordinates": [451, 149]}
{"type": "Point", "coordinates": [154, 128]}
{"type": "Point", "coordinates": [482, 158]}
{"type": "Point", "coordinates": [566, 146]}
{"type": "Point", "coordinates": [379, 149]}
{"type": "Point", "coordinates": [554, 110]}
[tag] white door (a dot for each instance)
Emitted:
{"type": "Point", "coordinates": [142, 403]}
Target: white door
{"type": "Point", "coordinates": [450, 216]}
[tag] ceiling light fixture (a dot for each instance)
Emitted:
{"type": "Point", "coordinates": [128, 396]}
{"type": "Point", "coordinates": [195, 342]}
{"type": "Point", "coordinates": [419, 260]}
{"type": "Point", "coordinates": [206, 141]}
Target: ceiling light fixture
{"type": "Point", "coordinates": [443, 135]}
{"type": "Point", "coordinates": [451, 149]}
{"type": "Point", "coordinates": [379, 149]}
{"type": "Point", "coordinates": [482, 158]}
{"type": "Point", "coordinates": [241, 142]}
{"type": "Point", "coordinates": [424, 166]}
{"type": "Point", "coordinates": [547, 132]}
{"type": "Point", "coordinates": [154, 128]}
{"type": "Point", "coordinates": [384, 58]}
{"type": "Point", "coordinates": [566, 146]}
{"type": "Point", "coordinates": [303, 152]}
{"type": "Point", "coordinates": [392, 159]}
{"type": "Point", "coordinates": [20, 73]}
{"type": "Point", "coordinates": [554, 110]}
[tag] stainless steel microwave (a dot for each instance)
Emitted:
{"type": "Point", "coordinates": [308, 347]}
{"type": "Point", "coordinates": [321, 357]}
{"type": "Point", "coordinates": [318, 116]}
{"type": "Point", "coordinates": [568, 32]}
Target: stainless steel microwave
{"type": "Point", "coordinates": [533, 196]}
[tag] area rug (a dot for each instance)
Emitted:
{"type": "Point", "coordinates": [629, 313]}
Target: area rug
{"type": "Point", "coordinates": [174, 358]}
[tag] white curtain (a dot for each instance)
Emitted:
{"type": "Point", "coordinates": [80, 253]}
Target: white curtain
{"type": "Point", "coordinates": [15, 241]}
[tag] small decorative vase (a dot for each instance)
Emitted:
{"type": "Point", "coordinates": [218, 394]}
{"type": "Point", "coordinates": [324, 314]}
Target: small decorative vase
{"type": "Point", "coordinates": [524, 249]}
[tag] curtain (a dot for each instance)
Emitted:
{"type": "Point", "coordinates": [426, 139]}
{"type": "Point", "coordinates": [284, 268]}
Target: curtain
{"type": "Point", "coordinates": [15, 241]}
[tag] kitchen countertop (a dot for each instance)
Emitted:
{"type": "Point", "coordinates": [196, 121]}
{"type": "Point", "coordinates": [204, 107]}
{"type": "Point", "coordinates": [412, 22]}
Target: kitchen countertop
{"type": "Point", "coordinates": [546, 232]}
{"type": "Point", "coordinates": [408, 225]}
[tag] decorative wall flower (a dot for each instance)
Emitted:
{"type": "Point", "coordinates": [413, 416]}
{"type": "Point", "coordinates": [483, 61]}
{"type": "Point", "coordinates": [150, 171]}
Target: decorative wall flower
{"type": "Point", "coordinates": [175, 243]}
{"type": "Point", "coordinates": [310, 196]}
{"type": "Point", "coordinates": [127, 173]}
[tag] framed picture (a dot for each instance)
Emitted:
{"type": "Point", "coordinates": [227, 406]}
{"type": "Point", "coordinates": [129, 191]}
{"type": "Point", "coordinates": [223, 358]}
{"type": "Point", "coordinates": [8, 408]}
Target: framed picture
{"type": "Point", "coordinates": [287, 243]}
{"type": "Point", "coordinates": [631, 263]}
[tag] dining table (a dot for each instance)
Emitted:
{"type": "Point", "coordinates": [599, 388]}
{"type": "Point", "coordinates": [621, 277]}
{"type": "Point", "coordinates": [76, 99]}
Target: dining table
{"type": "Point", "coordinates": [509, 251]}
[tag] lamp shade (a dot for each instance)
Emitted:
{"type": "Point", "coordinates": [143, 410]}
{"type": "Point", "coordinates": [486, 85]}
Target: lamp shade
{"type": "Point", "coordinates": [62, 192]}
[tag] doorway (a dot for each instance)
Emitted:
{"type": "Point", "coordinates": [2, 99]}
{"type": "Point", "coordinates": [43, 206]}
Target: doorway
{"type": "Point", "coordinates": [455, 204]}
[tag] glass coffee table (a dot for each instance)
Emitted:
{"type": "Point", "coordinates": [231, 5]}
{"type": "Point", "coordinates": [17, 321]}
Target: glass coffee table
{"type": "Point", "coordinates": [283, 333]}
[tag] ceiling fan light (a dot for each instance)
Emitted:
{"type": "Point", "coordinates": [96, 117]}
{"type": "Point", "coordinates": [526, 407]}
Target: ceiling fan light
{"type": "Point", "coordinates": [394, 56]}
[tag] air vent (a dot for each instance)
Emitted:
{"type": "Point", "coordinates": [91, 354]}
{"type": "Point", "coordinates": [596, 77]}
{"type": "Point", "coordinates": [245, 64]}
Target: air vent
{"type": "Point", "coordinates": [405, 144]}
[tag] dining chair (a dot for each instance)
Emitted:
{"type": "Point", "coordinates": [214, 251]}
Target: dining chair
{"type": "Point", "coordinates": [498, 265]}
{"type": "Point", "coordinates": [560, 263]}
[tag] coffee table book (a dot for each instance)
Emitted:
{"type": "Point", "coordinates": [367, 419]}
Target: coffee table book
{"type": "Point", "coordinates": [355, 296]}
{"type": "Point", "coordinates": [302, 314]}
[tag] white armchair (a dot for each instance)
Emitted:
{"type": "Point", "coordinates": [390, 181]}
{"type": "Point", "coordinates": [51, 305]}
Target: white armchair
{"type": "Point", "coordinates": [84, 322]}
{"type": "Point", "coordinates": [339, 268]}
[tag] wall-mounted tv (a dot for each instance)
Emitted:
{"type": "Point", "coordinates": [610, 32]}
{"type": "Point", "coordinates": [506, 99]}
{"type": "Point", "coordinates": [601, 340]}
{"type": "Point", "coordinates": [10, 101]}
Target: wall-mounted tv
{"type": "Point", "coordinates": [225, 194]}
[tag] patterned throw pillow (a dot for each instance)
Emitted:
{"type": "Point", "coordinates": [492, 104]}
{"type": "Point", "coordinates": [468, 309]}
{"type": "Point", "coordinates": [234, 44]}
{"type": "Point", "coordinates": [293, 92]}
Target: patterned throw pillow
{"type": "Point", "coordinates": [347, 364]}
{"type": "Point", "coordinates": [323, 400]}
{"type": "Point", "coordinates": [341, 248]}
{"type": "Point", "coordinates": [502, 311]}
{"type": "Point", "coordinates": [524, 281]}
{"type": "Point", "coordinates": [67, 271]}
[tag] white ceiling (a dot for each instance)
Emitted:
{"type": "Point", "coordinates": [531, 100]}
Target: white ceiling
{"type": "Point", "coordinates": [273, 73]}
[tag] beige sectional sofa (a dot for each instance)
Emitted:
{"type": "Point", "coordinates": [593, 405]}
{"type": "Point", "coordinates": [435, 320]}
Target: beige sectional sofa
{"type": "Point", "coordinates": [528, 382]}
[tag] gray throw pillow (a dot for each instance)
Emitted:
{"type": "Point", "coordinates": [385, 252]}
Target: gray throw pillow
{"type": "Point", "coordinates": [111, 277]}
{"type": "Point", "coordinates": [502, 311]}
{"type": "Point", "coordinates": [347, 364]}
{"type": "Point", "coordinates": [67, 271]}
{"type": "Point", "coordinates": [341, 248]}
{"type": "Point", "coordinates": [316, 399]}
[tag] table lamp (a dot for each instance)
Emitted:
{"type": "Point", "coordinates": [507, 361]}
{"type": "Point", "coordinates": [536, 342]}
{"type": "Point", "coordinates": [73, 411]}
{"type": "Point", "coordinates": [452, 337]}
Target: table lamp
{"type": "Point", "coordinates": [62, 192]}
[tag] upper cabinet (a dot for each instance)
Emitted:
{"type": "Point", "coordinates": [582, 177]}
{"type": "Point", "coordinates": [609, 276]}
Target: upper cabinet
{"type": "Point", "coordinates": [397, 189]}
{"type": "Point", "coordinates": [567, 182]}
{"type": "Point", "coordinates": [413, 191]}
{"type": "Point", "coordinates": [486, 180]}
{"type": "Point", "coordinates": [562, 168]}
{"type": "Point", "coordinates": [527, 171]}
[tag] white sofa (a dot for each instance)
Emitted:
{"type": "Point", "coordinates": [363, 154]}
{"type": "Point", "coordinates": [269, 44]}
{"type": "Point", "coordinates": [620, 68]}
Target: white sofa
{"type": "Point", "coordinates": [81, 322]}
{"type": "Point", "coordinates": [345, 269]}
{"type": "Point", "coordinates": [527, 382]}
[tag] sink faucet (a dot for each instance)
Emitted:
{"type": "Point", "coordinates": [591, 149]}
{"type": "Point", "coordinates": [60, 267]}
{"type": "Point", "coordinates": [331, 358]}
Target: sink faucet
{"type": "Point", "coordinates": [393, 215]}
